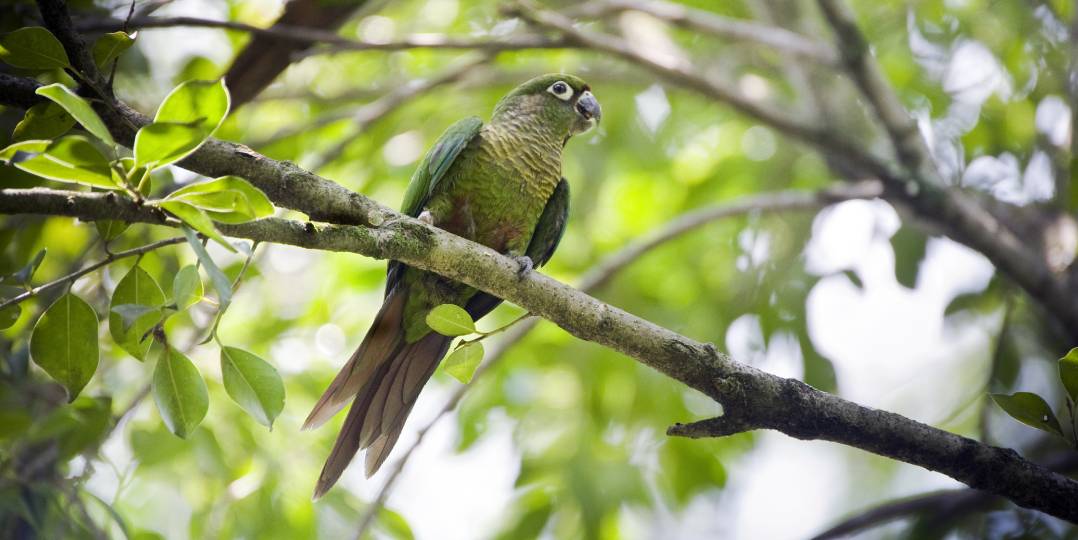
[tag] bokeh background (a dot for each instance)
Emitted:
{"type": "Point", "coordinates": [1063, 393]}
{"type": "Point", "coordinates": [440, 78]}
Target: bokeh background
{"type": "Point", "coordinates": [563, 438]}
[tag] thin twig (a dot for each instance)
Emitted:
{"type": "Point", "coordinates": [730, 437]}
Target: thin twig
{"type": "Point", "coordinates": [69, 278]}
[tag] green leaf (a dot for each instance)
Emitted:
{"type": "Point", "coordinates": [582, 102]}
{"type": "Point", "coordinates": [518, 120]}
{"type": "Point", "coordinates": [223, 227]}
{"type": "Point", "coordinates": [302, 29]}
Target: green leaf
{"type": "Point", "coordinates": [909, 245]}
{"type": "Point", "coordinates": [218, 279]}
{"type": "Point", "coordinates": [202, 104]}
{"type": "Point", "coordinates": [197, 219]}
{"type": "Point", "coordinates": [64, 343]}
{"type": "Point", "coordinates": [20, 150]}
{"type": "Point", "coordinates": [130, 313]}
{"type": "Point", "coordinates": [450, 320]}
{"type": "Point", "coordinates": [1029, 409]}
{"type": "Point", "coordinates": [1068, 373]}
{"type": "Point", "coordinates": [110, 46]}
{"type": "Point", "coordinates": [180, 392]}
{"type": "Point", "coordinates": [464, 361]}
{"type": "Point", "coordinates": [187, 287]}
{"type": "Point", "coordinates": [162, 143]}
{"type": "Point", "coordinates": [26, 273]}
{"type": "Point", "coordinates": [137, 287]}
{"type": "Point", "coordinates": [9, 315]}
{"type": "Point", "coordinates": [43, 121]}
{"type": "Point", "coordinates": [33, 47]}
{"type": "Point", "coordinates": [110, 229]}
{"type": "Point", "coordinates": [247, 201]}
{"type": "Point", "coordinates": [252, 383]}
{"type": "Point", "coordinates": [78, 108]}
{"type": "Point", "coordinates": [71, 159]}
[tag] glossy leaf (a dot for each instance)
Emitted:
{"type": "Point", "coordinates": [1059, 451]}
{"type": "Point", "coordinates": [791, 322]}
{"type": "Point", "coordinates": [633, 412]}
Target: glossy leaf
{"type": "Point", "coordinates": [162, 143]}
{"type": "Point", "coordinates": [252, 383]}
{"type": "Point", "coordinates": [22, 150]}
{"type": "Point", "coordinates": [201, 104]}
{"type": "Point", "coordinates": [71, 159]}
{"type": "Point", "coordinates": [197, 219]}
{"type": "Point", "coordinates": [1029, 409]}
{"type": "Point", "coordinates": [33, 47]}
{"type": "Point", "coordinates": [64, 343]}
{"type": "Point", "coordinates": [187, 287]}
{"type": "Point", "coordinates": [218, 279]}
{"type": "Point", "coordinates": [464, 361]}
{"type": "Point", "coordinates": [78, 108]}
{"type": "Point", "coordinates": [110, 46]}
{"type": "Point", "coordinates": [1068, 373]}
{"type": "Point", "coordinates": [179, 391]}
{"type": "Point", "coordinates": [248, 202]}
{"type": "Point", "coordinates": [43, 121]}
{"type": "Point", "coordinates": [130, 313]}
{"type": "Point", "coordinates": [450, 320]}
{"type": "Point", "coordinates": [137, 288]}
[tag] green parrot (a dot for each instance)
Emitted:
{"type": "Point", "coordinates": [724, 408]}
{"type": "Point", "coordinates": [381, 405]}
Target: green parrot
{"type": "Point", "coordinates": [498, 184]}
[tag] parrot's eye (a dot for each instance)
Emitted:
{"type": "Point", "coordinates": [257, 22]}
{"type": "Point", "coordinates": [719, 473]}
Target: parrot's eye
{"type": "Point", "coordinates": [561, 91]}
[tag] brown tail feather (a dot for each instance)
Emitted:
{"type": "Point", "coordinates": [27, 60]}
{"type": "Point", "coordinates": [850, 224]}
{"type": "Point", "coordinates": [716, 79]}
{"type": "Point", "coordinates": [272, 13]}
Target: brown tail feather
{"type": "Point", "coordinates": [381, 407]}
{"type": "Point", "coordinates": [382, 343]}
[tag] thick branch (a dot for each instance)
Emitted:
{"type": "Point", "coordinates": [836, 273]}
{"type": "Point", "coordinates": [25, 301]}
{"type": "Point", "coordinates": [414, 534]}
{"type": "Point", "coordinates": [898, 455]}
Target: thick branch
{"type": "Point", "coordinates": [751, 399]}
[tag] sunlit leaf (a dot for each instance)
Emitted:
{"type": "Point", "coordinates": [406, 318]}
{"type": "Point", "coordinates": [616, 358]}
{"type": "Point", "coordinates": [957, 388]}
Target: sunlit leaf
{"type": "Point", "coordinates": [1029, 409]}
{"type": "Point", "coordinates": [22, 150]}
{"type": "Point", "coordinates": [43, 121]}
{"type": "Point", "coordinates": [71, 159]}
{"type": "Point", "coordinates": [249, 202]}
{"type": "Point", "coordinates": [252, 383]}
{"type": "Point", "coordinates": [197, 219]}
{"type": "Point", "coordinates": [33, 47]}
{"type": "Point", "coordinates": [64, 342]}
{"type": "Point", "coordinates": [137, 288]}
{"type": "Point", "coordinates": [464, 361]}
{"type": "Point", "coordinates": [202, 104]}
{"type": "Point", "coordinates": [450, 320]}
{"type": "Point", "coordinates": [187, 287]}
{"type": "Point", "coordinates": [110, 46]}
{"type": "Point", "coordinates": [218, 279]}
{"type": "Point", "coordinates": [179, 391]}
{"type": "Point", "coordinates": [1068, 373]}
{"type": "Point", "coordinates": [162, 143]}
{"type": "Point", "coordinates": [79, 108]}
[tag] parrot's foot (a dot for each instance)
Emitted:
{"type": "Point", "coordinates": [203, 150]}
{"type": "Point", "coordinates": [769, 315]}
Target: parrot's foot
{"type": "Point", "coordinates": [526, 266]}
{"type": "Point", "coordinates": [426, 217]}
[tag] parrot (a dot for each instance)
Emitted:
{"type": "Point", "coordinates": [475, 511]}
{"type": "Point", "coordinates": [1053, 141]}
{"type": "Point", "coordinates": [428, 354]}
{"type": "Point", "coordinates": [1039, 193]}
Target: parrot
{"type": "Point", "coordinates": [499, 184]}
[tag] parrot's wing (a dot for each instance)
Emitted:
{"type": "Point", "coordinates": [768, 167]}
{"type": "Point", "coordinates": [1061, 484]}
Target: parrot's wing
{"type": "Point", "coordinates": [429, 174]}
{"type": "Point", "coordinates": [551, 226]}
{"type": "Point", "coordinates": [435, 164]}
{"type": "Point", "coordinates": [545, 239]}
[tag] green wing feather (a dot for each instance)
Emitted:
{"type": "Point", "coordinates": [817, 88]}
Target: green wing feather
{"type": "Point", "coordinates": [435, 164]}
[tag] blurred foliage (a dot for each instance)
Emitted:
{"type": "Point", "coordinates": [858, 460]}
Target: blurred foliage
{"type": "Point", "coordinates": [587, 424]}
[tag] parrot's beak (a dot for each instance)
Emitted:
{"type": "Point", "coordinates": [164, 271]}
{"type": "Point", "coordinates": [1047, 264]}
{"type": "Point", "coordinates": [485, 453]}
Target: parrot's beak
{"type": "Point", "coordinates": [588, 107]}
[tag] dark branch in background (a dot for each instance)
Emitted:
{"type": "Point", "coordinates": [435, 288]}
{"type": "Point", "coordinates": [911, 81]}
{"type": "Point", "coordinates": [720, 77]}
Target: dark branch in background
{"type": "Point", "coordinates": [18, 91]}
{"type": "Point", "coordinates": [609, 267]}
{"type": "Point", "coordinates": [265, 57]}
{"type": "Point", "coordinates": [935, 509]}
{"type": "Point", "coordinates": [751, 399]}
{"type": "Point", "coordinates": [708, 22]}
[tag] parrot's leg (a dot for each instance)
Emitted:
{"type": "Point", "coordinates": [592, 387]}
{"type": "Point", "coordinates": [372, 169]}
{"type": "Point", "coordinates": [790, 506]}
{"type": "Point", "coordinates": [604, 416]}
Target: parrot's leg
{"type": "Point", "coordinates": [526, 266]}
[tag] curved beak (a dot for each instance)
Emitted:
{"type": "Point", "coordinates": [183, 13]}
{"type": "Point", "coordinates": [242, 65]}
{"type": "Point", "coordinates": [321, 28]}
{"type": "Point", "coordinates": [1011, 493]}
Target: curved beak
{"type": "Point", "coordinates": [588, 107]}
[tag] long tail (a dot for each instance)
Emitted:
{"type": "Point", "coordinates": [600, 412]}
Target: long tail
{"type": "Point", "coordinates": [384, 376]}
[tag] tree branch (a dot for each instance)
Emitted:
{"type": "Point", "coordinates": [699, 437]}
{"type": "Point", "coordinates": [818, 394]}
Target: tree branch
{"type": "Point", "coordinates": [751, 399]}
{"type": "Point", "coordinates": [707, 22]}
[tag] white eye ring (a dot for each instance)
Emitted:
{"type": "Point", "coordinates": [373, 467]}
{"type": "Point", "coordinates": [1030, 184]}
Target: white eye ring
{"type": "Point", "coordinates": [561, 90]}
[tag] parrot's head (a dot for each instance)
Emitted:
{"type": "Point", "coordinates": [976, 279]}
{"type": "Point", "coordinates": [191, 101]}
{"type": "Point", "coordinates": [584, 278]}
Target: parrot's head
{"type": "Point", "coordinates": [559, 102]}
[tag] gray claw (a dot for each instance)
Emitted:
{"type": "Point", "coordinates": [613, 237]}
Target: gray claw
{"type": "Point", "coordinates": [526, 266]}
